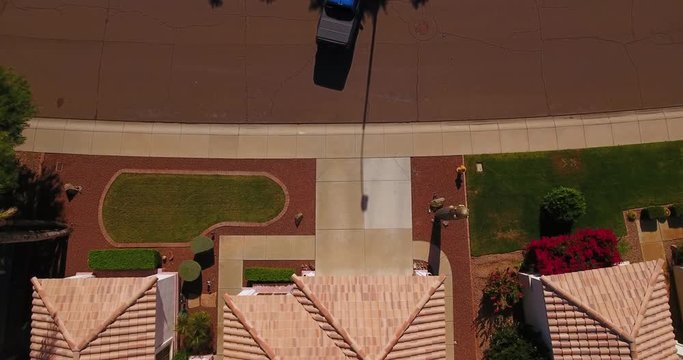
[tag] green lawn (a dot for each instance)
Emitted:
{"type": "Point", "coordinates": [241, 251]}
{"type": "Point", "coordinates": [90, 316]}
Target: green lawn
{"type": "Point", "coordinates": [176, 208]}
{"type": "Point", "coordinates": [504, 199]}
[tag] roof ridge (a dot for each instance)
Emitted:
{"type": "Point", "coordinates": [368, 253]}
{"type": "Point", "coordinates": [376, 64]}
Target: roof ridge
{"type": "Point", "coordinates": [53, 313]}
{"type": "Point", "coordinates": [324, 312]}
{"type": "Point", "coordinates": [247, 326]}
{"type": "Point", "coordinates": [418, 307]}
{"type": "Point", "coordinates": [654, 278]}
{"type": "Point", "coordinates": [587, 309]}
{"type": "Point", "coordinates": [149, 282]}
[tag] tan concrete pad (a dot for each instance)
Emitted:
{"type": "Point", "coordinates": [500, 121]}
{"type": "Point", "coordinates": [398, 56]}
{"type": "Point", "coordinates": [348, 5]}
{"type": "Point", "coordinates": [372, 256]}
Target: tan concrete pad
{"type": "Point", "coordinates": [514, 140]}
{"type": "Point", "coordinates": [254, 247]}
{"type": "Point", "coordinates": [672, 229]}
{"type": "Point", "coordinates": [193, 145]}
{"type": "Point", "coordinates": [77, 142]}
{"type": "Point", "coordinates": [398, 144]}
{"type": "Point", "coordinates": [281, 146]}
{"type": "Point", "coordinates": [338, 205]}
{"type": "Point", "coordinates": [290, 247]}
{"type": "Point", "coordinates": [231, 247]}
{"type": "Point", "coordinates": [223, 146]}
{"type": "Point", "coordinates": [651, 233]}
{"type": "Point", "coordinates": [229, 274]}
{"type": "Point", "coordinates": [252, 146]}
{"type": "Point", "coordinates": [486, 142]}
{"type": "Point", "coordinates": [106, 143]}
{"type": "Point", "coordinates": [542, 139]}
{"type": "Point", "coordinates": [337, 169]}
{"type": "Point", "coordinates": [340, 146]}
{"type": "Point", "coordinates": [340, 252]}
{"type": "Point", "coordinates": [427, 144]}
{"type": "Point", "coordinates": [388, 251]}
{"type": "Point", "coordinates": [310, 146]}
{"type": "Point", "coordinates": [675, 128]}
{"type": "Point", "coordinates": [598, 135]}
{"type": "Point", "coordinates": [626, 133]}
{"type": "Point", "coordinates": [653, 131]}
{"type": "Point", "coordinates": [570, 137]}
{"type": "Point", "coordinates": [209, 300]}
{"type": "Point", "coordinates": [652, 251]}
{"type": "Point", "coordinates": [165, 145]}
{"type": "Point", "coordinates": [47, 140]}
{"type": "Point", "coordinates": [136, 144]}
{"type": "Point", "coordinates": [457, 143]}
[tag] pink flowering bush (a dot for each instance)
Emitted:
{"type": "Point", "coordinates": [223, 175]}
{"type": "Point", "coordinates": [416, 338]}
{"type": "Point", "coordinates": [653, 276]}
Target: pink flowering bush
{"type": "Point", "coordinates": [583, 250]}
{"type": "Point", "coordinates": [502, 291]}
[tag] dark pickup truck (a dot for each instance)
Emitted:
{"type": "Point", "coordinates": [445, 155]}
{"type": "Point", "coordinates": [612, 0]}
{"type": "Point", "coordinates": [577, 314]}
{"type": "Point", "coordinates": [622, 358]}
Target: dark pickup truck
{"type": "Point", "coordinates": [338, 23]}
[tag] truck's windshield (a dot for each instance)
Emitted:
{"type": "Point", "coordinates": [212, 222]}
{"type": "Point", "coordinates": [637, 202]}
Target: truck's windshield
{"type": "Point", "coordinates": [339, 12]}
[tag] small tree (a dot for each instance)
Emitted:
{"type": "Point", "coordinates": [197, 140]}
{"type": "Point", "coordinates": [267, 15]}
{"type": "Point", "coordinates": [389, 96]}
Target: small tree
{"type": "Point", "coordinates": [194, 331]}
{"type": "Point", "coordinates": [502, 291]}
{"type": "Point", "coordinates": [508, 343]}
{"type": "Point", "coordinates": [563, 205]}
{"type": "Point", "coordinates": [16, 107]}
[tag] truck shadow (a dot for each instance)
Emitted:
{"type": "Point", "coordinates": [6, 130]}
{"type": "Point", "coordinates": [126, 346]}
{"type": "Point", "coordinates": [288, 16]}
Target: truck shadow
{"type": "Point", "coordinates": [332, 65]}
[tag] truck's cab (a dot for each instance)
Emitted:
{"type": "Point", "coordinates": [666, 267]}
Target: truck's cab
{"type": "Point", "coordinates": [339, 20]}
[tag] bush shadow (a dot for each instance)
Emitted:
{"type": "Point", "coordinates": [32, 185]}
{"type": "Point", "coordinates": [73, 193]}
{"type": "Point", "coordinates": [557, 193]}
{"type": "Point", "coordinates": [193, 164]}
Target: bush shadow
{"type": "Point", "coordinates": [332, 66]}
{"type": "Point", "coordinates": [548, 226]}
{"type": "Point", "coordinates": [648, 225]}
{"type": "Point", "coordinates": [192, 289]}
{"type": "Point", "coordinates": [206, 259]}
{"type": "Point", "coordinates": [675, 222]}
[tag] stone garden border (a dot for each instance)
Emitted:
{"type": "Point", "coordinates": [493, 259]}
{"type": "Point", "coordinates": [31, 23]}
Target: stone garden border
{"type": "Point", "coordinates": [110, 240]}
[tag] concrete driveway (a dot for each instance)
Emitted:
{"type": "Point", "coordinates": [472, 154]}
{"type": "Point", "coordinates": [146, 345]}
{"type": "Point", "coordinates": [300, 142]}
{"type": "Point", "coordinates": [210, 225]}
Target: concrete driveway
{"type": "Point", "coordinates": [252, 61]}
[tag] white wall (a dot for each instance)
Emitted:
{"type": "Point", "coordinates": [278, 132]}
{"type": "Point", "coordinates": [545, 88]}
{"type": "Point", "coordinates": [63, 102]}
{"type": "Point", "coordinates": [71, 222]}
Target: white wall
{"type": "Point", "coordinates": [534, 306]}
{"type": "Point", "coordinates": [167, 307]}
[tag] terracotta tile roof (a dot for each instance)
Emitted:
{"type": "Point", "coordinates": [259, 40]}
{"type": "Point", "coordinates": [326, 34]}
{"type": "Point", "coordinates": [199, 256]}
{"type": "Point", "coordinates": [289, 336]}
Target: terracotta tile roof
{"type": "Point", "coordinates": [363, 317]}
{"type": "Point", "coordinates": [94, 318]}
{"type": "Point", "coordinates": [621, 312]}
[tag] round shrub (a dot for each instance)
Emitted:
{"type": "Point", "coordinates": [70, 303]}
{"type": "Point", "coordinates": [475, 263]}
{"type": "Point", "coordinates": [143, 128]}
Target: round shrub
{"type": "Point", "coordinates": [189, 270]}
{"type": "Point", "coordinates": [201, 244]}
{"type": "Point", "coordinates": [502, 291]}
{"type": "Point", "coordinates": [631, 215]}
{"type": "Point", "coordinates": [564, 204]}
{"type": "Point", "coordinates": [508, 343]}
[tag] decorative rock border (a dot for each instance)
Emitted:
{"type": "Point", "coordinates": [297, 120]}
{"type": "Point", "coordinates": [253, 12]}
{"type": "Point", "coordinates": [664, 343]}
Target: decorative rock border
{"type": "Point", "coordinates": [110, 240]}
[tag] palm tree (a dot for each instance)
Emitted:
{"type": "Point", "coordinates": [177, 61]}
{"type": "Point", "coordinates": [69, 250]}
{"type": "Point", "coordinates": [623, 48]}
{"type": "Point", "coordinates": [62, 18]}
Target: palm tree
{"type": "Point", "coordinates": [194, 331]}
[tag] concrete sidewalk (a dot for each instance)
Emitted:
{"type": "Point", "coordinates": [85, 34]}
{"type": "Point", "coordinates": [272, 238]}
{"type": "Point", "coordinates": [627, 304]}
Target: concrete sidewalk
{"type": "Point", "coordinates": [351, 141]}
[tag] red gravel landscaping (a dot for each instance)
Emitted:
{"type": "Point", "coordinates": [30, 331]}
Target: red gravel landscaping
{"type": "Point", "coordinates": [436, 175]}
{"type": "Point", "coordinates": [94, 172]}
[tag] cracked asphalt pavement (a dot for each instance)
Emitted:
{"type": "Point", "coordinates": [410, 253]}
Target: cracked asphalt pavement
{"type": "Point", "coordinates": [252, 61]}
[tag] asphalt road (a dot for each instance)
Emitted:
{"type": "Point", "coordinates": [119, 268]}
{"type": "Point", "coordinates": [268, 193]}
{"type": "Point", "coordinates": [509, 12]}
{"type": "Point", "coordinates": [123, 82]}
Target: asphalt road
{"type": "Point", "coordinates": [252, 61]}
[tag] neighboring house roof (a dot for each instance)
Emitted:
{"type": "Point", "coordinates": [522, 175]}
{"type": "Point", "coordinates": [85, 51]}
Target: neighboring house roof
{"type": "Point", "coordinates": [93, 318]}
{"type": "Point", "coordinates": [329, 317]}
{"type": "Point", "coordinates": [620, 312]}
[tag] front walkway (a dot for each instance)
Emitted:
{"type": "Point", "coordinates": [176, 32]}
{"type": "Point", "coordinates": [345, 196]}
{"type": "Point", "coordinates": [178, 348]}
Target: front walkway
{"type": "Point", "coordinates": [351, 141]}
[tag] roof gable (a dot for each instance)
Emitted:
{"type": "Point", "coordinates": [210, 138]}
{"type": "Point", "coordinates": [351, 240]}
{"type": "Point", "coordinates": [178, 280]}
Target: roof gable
{"type": "Point", "coordinates": [82, 308]}
{"type": "Point", "coordinates": [624, 304]}
{"type": "Point", "coordinates": [371, 312]}
{"type": "Point", "coordinates": [279, 326]}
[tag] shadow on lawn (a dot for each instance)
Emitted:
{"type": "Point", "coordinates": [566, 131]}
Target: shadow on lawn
{"type": "Point", "coordinates": [551, 227]}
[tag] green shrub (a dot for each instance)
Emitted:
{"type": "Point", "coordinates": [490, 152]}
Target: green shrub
{"type": "Point", "coordinates": [509, 342]}
{"type": "Point", "coordinates": [624, 247]}
{"type": "Point", "coordinates": [655, 213]}
{"type": "Point", "coordinates": [275, 275]}
{"type": "Point", "coordinates": [124, 259]}
{"type": "Point", "coordinates": [564, 204]}
{"type": "Point", "coordinates": [677, 210]}
{"type": "Point", "coordinates": [201, 244]}
{"type": "Point", "coordinates": [189, 270]}
{"type": "Point", "coordinates": [16, 106]}
{"type": "Point", "coordinates": [181, 355]}
{"type": "Point", "coordinates": [502, 291]}
{"type": "Point", "coordinates": [631, 215]}
{"type": "Point", "coordinates": [194, 330]}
